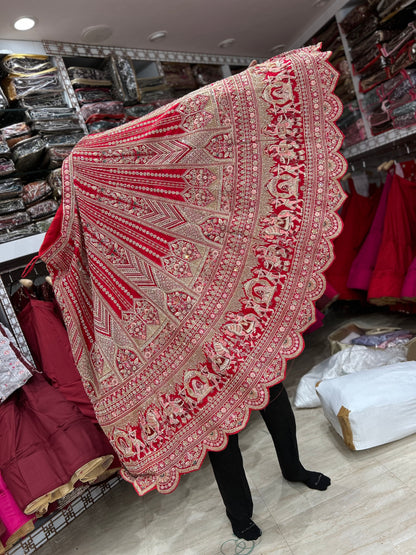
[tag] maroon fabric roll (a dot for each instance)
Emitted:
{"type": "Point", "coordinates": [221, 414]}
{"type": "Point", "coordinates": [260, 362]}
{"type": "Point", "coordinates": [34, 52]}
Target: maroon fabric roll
{"type": "Point", "coordinates": [44, 440]}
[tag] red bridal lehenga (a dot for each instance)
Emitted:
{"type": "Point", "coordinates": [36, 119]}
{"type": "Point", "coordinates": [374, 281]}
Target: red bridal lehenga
{"type": "Point", "coordinates": [187, 253]}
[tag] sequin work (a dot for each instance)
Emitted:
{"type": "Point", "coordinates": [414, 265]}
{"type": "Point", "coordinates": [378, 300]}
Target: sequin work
{"type": "Point", "coordinates": [190, 251]}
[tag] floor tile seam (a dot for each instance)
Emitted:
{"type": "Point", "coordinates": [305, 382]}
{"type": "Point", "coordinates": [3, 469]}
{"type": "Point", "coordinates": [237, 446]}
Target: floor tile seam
{"type": "Point", "coordinates": [276, 521]}
{"type": "Point", "coordinates": [392, 473]}
{"type": "Point", "coordinates": [272, 517]}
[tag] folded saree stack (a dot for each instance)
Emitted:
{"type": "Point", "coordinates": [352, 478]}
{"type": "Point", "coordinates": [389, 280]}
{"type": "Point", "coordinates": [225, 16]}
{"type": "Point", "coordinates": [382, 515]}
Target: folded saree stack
{"type": "Point", "coordinates": [37, 120]}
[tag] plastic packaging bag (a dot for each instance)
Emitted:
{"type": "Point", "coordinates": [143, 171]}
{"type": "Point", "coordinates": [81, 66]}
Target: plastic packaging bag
{"type": "Point", "coordinates": [348, 361]}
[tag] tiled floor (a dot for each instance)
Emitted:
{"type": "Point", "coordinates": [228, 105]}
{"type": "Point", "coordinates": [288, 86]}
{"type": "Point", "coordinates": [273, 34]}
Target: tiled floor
{"type": "Point", "coordinates": [370, 508]}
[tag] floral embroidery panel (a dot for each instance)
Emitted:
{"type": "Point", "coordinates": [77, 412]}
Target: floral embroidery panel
{"type": "Point", "coordinates": [190, 251]}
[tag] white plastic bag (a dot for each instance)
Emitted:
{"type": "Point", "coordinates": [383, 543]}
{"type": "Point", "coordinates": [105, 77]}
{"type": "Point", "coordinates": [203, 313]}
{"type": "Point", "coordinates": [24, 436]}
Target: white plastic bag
{"type": "Point", "coordinates": [348, 361]}
{"type": "Point", "coordinates": [372, 407]}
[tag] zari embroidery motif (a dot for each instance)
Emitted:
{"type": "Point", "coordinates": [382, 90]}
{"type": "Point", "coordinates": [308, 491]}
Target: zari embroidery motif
{"type": "Point", "coordinates": [206, 226]}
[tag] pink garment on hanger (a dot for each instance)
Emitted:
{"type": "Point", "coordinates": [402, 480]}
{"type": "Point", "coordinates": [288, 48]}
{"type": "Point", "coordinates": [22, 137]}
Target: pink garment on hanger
{"type": "Point", "coordinates": [357, 215]}
{"type": "Point", "coordinates": [15, 524]}
{"type": "Point", "coordinates": [365, 261]}
{"type": "Point", "coordinates": [409, 285]}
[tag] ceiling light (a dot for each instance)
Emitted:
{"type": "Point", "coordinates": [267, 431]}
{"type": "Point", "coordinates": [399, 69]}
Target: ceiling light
{"type": "Point", "coordinates": [157, 35]}
{"type": "Point", "coordinates": [96, 33]}
{"type": "Point", "coordinates": [24, 23]}
{"type": "Point", "coordinates": [226, 43]}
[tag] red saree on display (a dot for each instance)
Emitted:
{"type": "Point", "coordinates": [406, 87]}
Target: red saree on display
{"type": "Point", "coordinates": [187, 253]}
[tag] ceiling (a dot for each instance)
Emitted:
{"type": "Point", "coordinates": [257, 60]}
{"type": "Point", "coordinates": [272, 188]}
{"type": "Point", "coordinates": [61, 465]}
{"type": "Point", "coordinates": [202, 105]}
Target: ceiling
{"type": "Point", "coordinates": [191, 25]}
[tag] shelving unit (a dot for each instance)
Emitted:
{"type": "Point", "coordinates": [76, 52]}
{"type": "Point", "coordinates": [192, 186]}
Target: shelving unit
{"type": "Point", "coordinates": [374, 145]}
{"type": "Point", "coordinates": [20, 248]}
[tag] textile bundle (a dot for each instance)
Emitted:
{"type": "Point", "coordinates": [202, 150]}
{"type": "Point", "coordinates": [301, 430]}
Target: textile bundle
{"type": "Point", "coordinates": [186, 255]}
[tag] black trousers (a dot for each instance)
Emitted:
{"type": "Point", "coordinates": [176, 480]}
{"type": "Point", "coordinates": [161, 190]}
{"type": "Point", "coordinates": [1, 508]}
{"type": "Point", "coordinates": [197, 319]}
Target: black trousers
{"type": "Point", "coordinates": [228, 464]}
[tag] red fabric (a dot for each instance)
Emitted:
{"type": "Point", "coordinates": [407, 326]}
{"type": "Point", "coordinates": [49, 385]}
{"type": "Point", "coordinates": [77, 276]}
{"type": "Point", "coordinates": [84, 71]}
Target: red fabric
{"type": "Point", "coordinates": [409, 285]}
{"type": "Point", "coordinates": [409, 170]}
{"type": "Point", "coordinates": [358, 213]}
{"type": "Point", "coordinates": [363, 265]}
{"type": "Point", "coordinates": [47, 338]}
{"type": "Point", "coordinates": [48, 342]}
{"type": "Point", "coordinates": [330, 295]}
{"type": "Point", "coordinates": [319, 322]}
{"type": "Point", "coordinates": [191, 250]}
{"type": "Point", "coordinates": [398, 244]}
{"type": "Point", "coordinates": [44, 439]}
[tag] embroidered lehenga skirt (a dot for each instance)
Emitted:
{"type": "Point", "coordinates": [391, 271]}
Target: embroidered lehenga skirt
{"type": "Point", "coordinates": [187, 253]}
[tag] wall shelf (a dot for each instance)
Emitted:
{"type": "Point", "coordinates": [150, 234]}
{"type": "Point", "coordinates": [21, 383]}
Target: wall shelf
{"type": "Point", "coordinates": [387, 139]}
{"type": "Point", "coordinates": [20, 248]}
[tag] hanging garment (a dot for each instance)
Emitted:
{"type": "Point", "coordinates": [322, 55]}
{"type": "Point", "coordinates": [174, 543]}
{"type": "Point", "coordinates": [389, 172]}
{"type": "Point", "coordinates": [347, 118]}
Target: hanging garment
{"type": "Point", "coordinates": [408, 292]}
{"type": "Point", "coordinates": [398, 244]}
{"type": "Point", "coordinates": [409, 170]}
{"type": "Point", "coordinates": [14, 524]}
{"type": "Point", "coordinates": [187, 253]}
{"type": "Point", "coordinates": [47, 338]}
{"type": "Point", "coordinates": [48, 342]}
{"type": "Point", "coordinates": [357, 216]}
{"type": "Point", "coordinates": [365, 261]}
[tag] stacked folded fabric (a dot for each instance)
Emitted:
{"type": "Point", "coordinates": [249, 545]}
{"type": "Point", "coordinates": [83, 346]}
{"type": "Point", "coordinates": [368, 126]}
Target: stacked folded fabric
{"type": "Point", "coordinates": [123, 77]}
{"type": "Point", "coordinates": [33, 84]}
{"type": "Point", "coordinates": [93, 89]}
{"type": "Point", "coordinates": [391, 57]}
{"type": "Point", "coordinates": [29, 75]}
{"type": "Point", "coordinates": [382, 38]}
{"type": "Point", "coordinates": [204, 74]}
{"type": "Point", "coordinates": [176, 81]}
{"type": "Point", "coordinates": [103, 93]}
{"type": "Point", "coordinates": [22, 206]}
{"type": "Point", "coordinates": [387, 105]}
{"type": "Point", "coordinates": [351, 124]}
{"type": "Point", "coordinates": [154, 93]}
{"type": "Point", "coordinates": [36, 121]}
{"type": "Point", "coordinates": [58, 126]}
{"type": "Point", "coordinates": [153, 88]}
{"type": "Point", "coordinates": [179, 76]}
